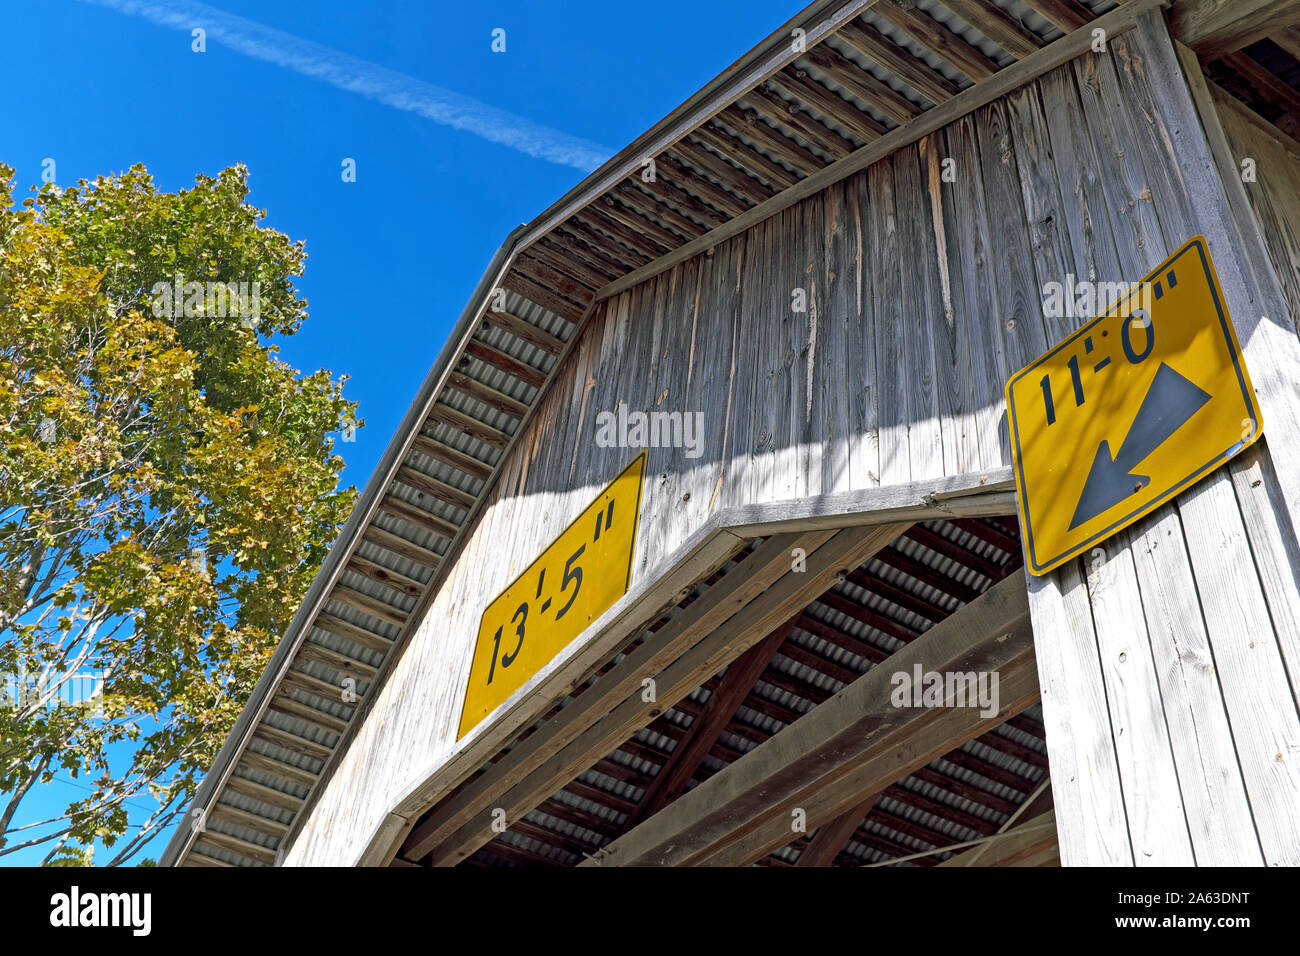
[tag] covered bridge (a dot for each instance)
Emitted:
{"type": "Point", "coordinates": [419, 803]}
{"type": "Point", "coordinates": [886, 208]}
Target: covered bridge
{"type": "Point", "coordinates": [720, 448]}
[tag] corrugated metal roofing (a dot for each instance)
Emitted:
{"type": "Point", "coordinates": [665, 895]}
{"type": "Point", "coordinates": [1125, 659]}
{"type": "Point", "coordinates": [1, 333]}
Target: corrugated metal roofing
{"type": "Point", "coordinates": [951, 802]}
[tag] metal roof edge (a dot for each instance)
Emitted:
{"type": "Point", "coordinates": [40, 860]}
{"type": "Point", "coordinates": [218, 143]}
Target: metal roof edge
{"type": "Point", "coordinates": [343, 545]}
{"type": "Point", "coordinates": [713, 97]}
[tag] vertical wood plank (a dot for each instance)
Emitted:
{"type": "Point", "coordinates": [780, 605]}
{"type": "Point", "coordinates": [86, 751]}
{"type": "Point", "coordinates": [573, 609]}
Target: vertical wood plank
{"type": "Point", "coordinates": [1195, 726]}
{"type": "Point", "coordinates": [891, 393]}
{"type": "Point", "coordinates": [864, 444]}
{"type": "Point", "coordinates": [924, 311]}
{"type": "Point", "coordinates": [837, 368]}
{"type": "Point", "coordinates": [950, 324]}
{"type": "Point", "coordinates": [1190, 199]}
{"type": "Point", "coordinates": [1153, 802]}
{"type": "Point", "coordinates": [1086, 782]}
{"type": "Point", "coordinates": [969, 237]}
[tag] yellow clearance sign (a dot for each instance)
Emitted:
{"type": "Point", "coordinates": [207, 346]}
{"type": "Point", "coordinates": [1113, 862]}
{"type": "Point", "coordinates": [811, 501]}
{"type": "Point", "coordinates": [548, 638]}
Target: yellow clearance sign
{"type": "Point", "coordinates": [1135, 406]}
{"type": "Point", "coordinates": [575, 580]}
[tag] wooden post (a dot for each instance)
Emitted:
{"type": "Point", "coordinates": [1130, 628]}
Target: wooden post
{"type": "Point", "coordinates": [1172, 726]}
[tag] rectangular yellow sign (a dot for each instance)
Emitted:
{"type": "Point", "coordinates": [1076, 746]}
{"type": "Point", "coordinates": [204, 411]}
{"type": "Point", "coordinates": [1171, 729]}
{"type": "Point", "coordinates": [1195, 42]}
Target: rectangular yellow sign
{"type": "Point", "coordinates": [1137, 405]}
{"type": "Point", "coordinates": [574, 581]}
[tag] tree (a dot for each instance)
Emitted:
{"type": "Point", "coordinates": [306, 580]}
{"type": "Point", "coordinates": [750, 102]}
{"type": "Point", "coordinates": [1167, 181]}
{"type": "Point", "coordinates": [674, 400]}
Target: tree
{"type": "Point", "coordinates": [168, 488]}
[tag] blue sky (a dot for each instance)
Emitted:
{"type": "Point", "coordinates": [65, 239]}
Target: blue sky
{"type": "Point", "coordinates": [394, 256]}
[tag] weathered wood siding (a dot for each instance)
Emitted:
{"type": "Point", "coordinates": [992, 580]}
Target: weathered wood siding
{"type": "Point", "coordinates": [1173, 733]}
{"type": "Point", "coordinates": [1274, 193]}
{"type": "Point", "coordinates": [1172, 726]}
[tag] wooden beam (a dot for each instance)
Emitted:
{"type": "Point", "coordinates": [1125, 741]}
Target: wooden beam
{"type": "Point", "coordinates": [596, 246]}
{"type": "Point", "coordinates": [692, 193]}
{"type": "Point", "coordinates": [897, 823]}
{"type": "Point", "coordinates": [632, 194]}
{"type": "Point", "coordinates": [259, 791]}
{"type": "Point", "coordinates": [798, 85]}
{"type": "Point", "coordinates": [466, 425]}
{"type": "Point", "coordinates": [196, 859]}
{"type": "Point", "coordinates": [951, 549]}
{"type": "Point", "coordinates": [676, 184]}
{"type": "Point", "coordinates": [439, 451]}
{"type": "Point", "coordinates": [771, 140]}
{"type": "Point", "coordinates": [395, 543]}
{"type": "Point", "coordinates": [285, 704]}
{"type": "Point", "coordinates": [1216, 27]}
{"type": "Point", "coordinates": [831, 838]}
{"type": "Point", "coordinates": [520, 855]}
{"type": "Point", "coordinates": [424, 520]}
{"type": "Point", "coordinates": [989, 771]}
{"type": "Point", "coordinates": [434, 488]}
{"type": "Point", "coordinates": [539, 294]}
{"type": "Point", "coordinates": [927, 575]}
{"type": "Point", "coordinates": [1065, 15]}
{"type": "Point", "coordinates": [292, 742]}
{"type": "Point", "coordinates": [1288, 40]}
{"type": "Point", "coordinates": [1270, 86]}
{"type": "Point", "coordinates": [633, 219]}
{"type": "Point", "coordinates": [934, 734]}
{"type": "Point", "coordinates": [719, 710]}
{"type": "Point", "coordinates": [910, 68]}
{"type": "Point", "coordinates": [776, 603]}
{"type": "Point", "coordinates": [751, 190]}
{"type": "Point", "coordinates": [1012, 847]}
{"type": "Point", "coordinates": [343, 663]}
{"type": "Point", "coordinates": [368, 605]}
{"type": "Point", "coordinates": [702, 555]}
{"type": "Point", "coordinates": [746, 157]}
{"type": "Point", "coordinates": [385, 576]}
{"type": "Point", "coordinates": [996, 24]}
{"type": "Point", "coordinates": [555, 255]}
{"type": "Point", "coordinates": [968, 791]}
{"type": "Point", "coordinates": [863, 85]}
{"type": "Point", "coordinates": [819, 20]}
{"type": "Point", "coordinates": [326, 690]}
{"type": "Point", "coordinates": [553, 279]}
{"type": "Point", "coordinates": [489, 396]}
{"type": "Point", "coordinates": [832, 741]}
{"type": "Point", "coordinates": [277, 768]}
{"type": "Point", "coordinates": [707, 549]}
{"type": "Point", "coordinates": [523, 329]}
{"type": "Point", "coordinates": [769, 562]}
{"type": "Point", "coordinates": [595, 218]}
{"type": "Point", "coordinates": [983, 531]}
{"type": "Point", "coordinates": [978, 493]}
{"type": "Point", "coordinates": [355, 633]}
{"type": "Point", "coordinates": [937, 38]}
{"type": "Point", "coordinates": [232, 814]}
{"type": "Point", "coordinates": [793, 117]}
{"type": "Point", "coordinates": [875, 583]}
{"type": "Point", "coordinates": [935, 807]}
{"type": "Point", "coordinates": [233, 844]}
{"type": "Point", "coordinates": [597, 262]}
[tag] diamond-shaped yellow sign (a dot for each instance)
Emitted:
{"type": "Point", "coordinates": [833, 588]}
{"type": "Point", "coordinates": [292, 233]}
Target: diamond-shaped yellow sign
{"type": "Point", "coordinates": [1137, 405]}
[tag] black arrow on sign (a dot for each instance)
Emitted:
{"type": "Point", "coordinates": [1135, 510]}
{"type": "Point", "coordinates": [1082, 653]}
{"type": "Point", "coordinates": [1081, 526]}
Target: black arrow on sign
{"type": "Point", "coordinates": [1169, 403]}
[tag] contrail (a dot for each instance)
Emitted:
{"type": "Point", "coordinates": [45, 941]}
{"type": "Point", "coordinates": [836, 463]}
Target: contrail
{"type": "Point", "coordinates": [369, 80]}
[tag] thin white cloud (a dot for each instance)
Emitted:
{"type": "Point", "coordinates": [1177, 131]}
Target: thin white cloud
{"type": "Point", "coordinates": [368, 79]}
